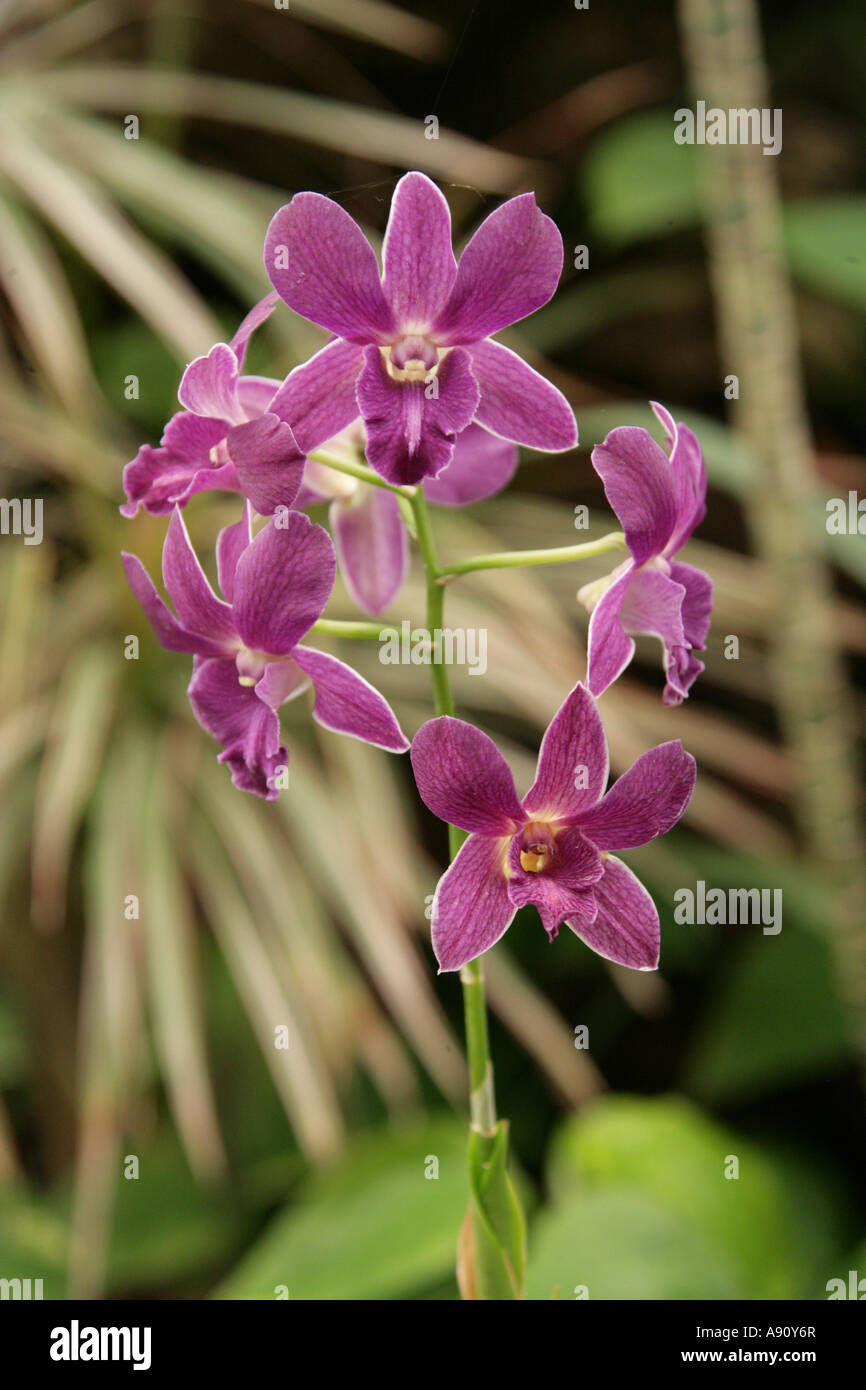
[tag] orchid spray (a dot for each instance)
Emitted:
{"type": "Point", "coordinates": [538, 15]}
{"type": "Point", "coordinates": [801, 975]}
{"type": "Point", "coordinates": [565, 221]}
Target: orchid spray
{"type": "Point", "coordinates": [413, 401]}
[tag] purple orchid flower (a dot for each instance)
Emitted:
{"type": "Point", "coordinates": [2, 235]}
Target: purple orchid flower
{"type": "Point", "coordinates": [552, 849]}
{"type": "Point", "coordinates": [659, 500]}
{"type": "Point", "coordinates": [248, 657]}
{"type": "Point", "coordinates": [367, 525]}
{"type": "Point", "coordinates": [226, 436]}
{"type": "Point", "coordinates": [412, 352]}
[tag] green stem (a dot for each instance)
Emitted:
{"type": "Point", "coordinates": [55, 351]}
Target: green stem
{"type": "Point", "coordinates": [335, 627]}
{"type": "Point", "coordinates": [482, 1102]}
{"type": "Point", "coordinates": [360, 471]}
{"type": "Point", "coordinates": [518, 559]}
{"type": "Point", "coordinates": [435, 599]}
{"type": "Point", "coordinates": [482, 1097]}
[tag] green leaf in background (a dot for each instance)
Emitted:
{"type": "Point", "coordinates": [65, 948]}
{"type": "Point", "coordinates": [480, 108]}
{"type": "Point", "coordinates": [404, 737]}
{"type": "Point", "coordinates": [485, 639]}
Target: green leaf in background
{"type": "Point", "coordinates": [32, 1241]}
{"type": "Point", "coordinates": [130, 347]}
{"type": "Point", "coordinates": [638, 182]}
{"type": "Point", "coordinates": [776, 1020]}
{"type": "Point", "coordinates": [826, 241]}
{"type": "Point", "coordinates": [616, 1243]}
{"type": "Point", "coordinates": [673, 1156]}
{"type": "Point", "coordinates": [376, 1225]}
{"type": "Point", "coordinates": [776, 1016]}
{"type": "Point", "coordinates": [167, 1227]}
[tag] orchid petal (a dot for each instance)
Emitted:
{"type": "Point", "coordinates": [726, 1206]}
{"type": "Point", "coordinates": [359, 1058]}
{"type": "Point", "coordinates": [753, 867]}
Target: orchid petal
{"type": "Point", "coordinates": [194, 600]}
{"type": "Point", "coordinates": [248, 729]}
{"type": "Point", "coordinates": [645, 802]}
{"type": "Point", "coordinates": [209, 386]}
{"type": "Point", "coordinates": [653, 605]}
{"type": "Point", "coordinates": [174, 486]}
{"type": "Point", "coordinates": [255, 394]}
{"type": "Point", "coordinates": [690, 477]}
{"type": "Point", "coordinates": [464, 779]}
{"type": "Point", "coordinates": [697, 604]}
{"type": "Point", "coordinates": [609, 649]}
{"type": "Point", "coordinates": [564, 889]}
{"type": "Point", "coordinates": [170, 633]}
{"type": "Point", "coordinates": [348, 704]}
{"type": "Point", "coordinates": [149, 480]}
{"type": "Point", "coordinates": [248, 325]}
{"type": "Point", "coordinates": [639, 484]}
{"type": "Point", "coordinates": [232, 541]}
{"type": "Point", "coordinates": [281, 681]}
{"type": "Point", "coordinates": [318, 398]}
{"type": "Point", "coordinates": [509, 269]}
{"type": "Point", "coordinates": [626, 927]}
{"type": "Point", "coordinates": [192, 437]}
{"type": "Point", "coordinates": [471, 908]}
{"type": "Point", "coordinates": [481, 465]}
{"type": "Point", "coordinates": [419, 264]}
{"type": "Point", "coordinates": [269, 463]}
{"type": "Point", "coordinates": [682, 669]}
{"type": "Point", "coordinates": [517, 403]}
{"type": "Point", "coordinates": [572, 762]}
{"type": "Point", "coordinates": [157, 478]}
{"type": "Point", "coordinates": [283, 580]}
{"type": "Point", "coordinates": [321, 264]}
{"type": "Point", "coordinates": [372, 546]}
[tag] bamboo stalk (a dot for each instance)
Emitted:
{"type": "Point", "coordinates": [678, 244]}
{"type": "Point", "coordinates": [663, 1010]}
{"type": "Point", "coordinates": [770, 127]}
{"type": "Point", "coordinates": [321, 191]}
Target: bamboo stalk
{"type": "Point", "coordinates": [758, 342]}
